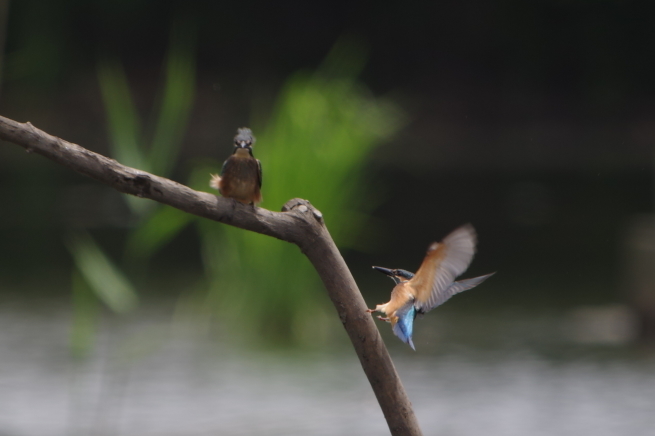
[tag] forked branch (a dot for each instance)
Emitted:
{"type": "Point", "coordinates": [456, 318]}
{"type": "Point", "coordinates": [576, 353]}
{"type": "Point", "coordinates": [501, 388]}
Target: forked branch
{"type": "Point", "coordinates": [299, 223]}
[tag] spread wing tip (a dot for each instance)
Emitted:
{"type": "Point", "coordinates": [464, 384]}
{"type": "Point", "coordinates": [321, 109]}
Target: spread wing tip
{"type": "Point", "coordinates": [467, 231]}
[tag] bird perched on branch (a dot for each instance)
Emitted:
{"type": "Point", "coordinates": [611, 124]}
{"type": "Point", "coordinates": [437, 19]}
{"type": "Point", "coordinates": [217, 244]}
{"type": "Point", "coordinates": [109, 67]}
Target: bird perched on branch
{"type": "Point", "coordinates": [241, 175]}
{"type": "Point", "coordinates": [433, 283]}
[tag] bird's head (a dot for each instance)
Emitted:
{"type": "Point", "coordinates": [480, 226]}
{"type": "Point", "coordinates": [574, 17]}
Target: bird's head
{"type": "Point", "coordinates": [244, 140]}
{"type": "Point", "coordinates": [397, 275]}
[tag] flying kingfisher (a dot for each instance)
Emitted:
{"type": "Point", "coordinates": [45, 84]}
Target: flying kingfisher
{"type": "Point", "coordinates": [241, 175]}
{"type": "Point", "coordinates": [433, 283]}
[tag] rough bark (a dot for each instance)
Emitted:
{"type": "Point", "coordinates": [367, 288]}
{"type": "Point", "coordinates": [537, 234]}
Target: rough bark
{"type": "Point", "coordinates": [299, 223]}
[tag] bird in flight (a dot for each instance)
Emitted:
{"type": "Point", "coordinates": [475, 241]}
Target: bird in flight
{"type": "Point", "coordinates": [433, 283]}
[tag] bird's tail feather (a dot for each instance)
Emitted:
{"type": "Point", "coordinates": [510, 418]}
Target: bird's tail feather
{"type": "Point", "coordinates": [214, 182]}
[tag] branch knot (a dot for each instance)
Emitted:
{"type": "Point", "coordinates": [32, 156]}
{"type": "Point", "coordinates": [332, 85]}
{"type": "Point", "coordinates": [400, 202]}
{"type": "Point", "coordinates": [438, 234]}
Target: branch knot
{"type": "Point", "coordinates": [302, 206]}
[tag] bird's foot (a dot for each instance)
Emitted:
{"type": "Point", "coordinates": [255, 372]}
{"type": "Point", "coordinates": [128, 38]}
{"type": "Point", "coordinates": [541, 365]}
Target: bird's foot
{"type": "Point", "coordinates": [370, 310]}
{"type": "Point", "coordinates": [384, 319]}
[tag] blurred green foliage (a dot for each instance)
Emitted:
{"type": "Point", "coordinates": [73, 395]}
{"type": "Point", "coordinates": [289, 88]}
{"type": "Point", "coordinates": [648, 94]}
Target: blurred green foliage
{"type": "Point", "coordinates": [314, 146]}
{"type": "Point", "coordinates": [156, 152]}
{"type": "Point", "coordinates": [107, 281]}
{"type": "Point", "coordinates": [85, 312]}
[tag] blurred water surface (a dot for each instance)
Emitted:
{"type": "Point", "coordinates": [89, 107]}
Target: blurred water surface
{"type": "Point", "coordinates": [492, 374]}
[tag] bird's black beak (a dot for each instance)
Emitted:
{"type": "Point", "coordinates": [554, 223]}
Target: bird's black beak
{"type": "Point", "coordinates": [386, 271]}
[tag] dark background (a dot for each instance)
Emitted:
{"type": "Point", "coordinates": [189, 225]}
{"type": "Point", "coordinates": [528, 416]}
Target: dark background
{"type": "Point", "coordinates": [532, 120]}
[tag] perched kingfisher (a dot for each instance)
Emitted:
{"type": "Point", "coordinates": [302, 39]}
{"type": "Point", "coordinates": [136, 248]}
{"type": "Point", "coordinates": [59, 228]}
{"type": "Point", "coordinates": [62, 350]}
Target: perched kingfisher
{"type": "Point", "coordinates": [433, 283]}
{"type": "Point", "coordinates": [241, 175]}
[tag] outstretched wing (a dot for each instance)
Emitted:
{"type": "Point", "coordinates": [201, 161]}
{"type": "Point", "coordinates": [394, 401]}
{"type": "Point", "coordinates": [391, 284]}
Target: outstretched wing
{"type": "Point", "coordinates": [456, 288]}
{"type": "Point", "coordinates": [442, 264]}
{"type": "Point", "coordinates": [259, 173]}
{"type": "Point", "coordinates": [404, 327]}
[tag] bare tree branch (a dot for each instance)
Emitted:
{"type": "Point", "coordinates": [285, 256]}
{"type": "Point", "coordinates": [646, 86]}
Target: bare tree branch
{"type": "Point", "coordinates": [299, 223]}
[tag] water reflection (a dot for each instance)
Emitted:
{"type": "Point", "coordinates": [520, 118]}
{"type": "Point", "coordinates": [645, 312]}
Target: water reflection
{"type": "Point", "coordinates": [500, 374]}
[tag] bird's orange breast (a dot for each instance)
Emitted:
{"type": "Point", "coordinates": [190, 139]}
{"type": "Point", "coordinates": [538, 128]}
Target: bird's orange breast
{"type": "Point", "coordinates": [400, 295]}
